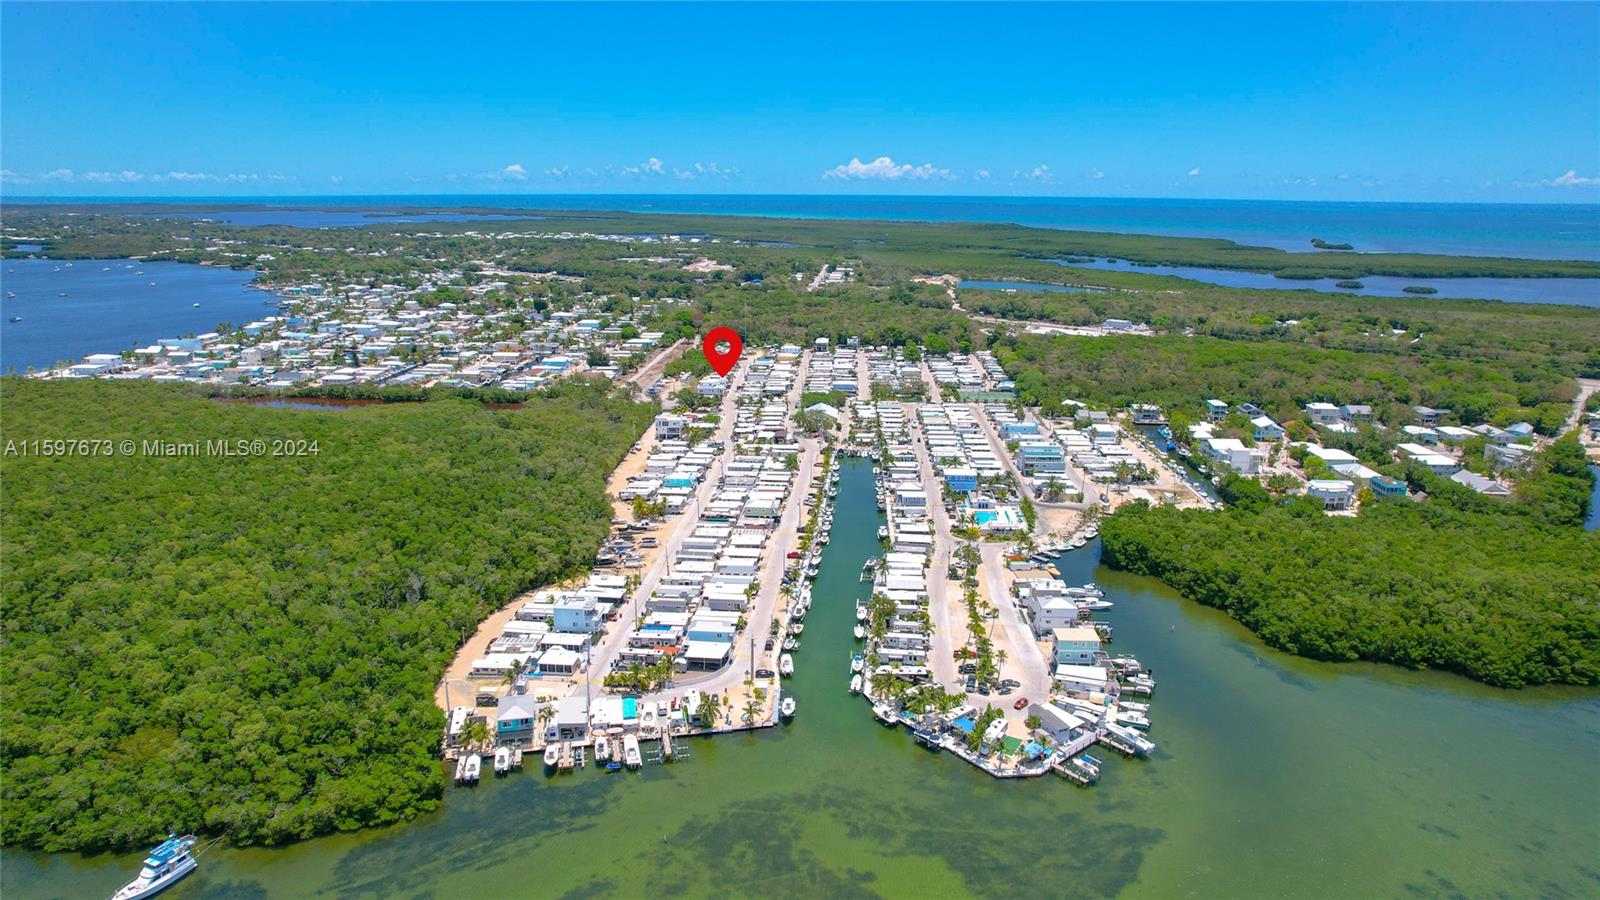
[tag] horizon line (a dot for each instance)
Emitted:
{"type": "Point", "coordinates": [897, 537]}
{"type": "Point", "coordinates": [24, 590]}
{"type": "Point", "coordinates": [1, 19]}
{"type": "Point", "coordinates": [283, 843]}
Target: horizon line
{"type": "Point", "coordinates": [96, 199]}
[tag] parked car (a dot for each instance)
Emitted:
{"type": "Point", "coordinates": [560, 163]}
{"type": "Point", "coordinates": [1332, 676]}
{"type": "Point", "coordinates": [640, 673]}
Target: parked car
{"type": "Point", "coordinates": [1021, 702]}
{"type": "Point", "coordinates": [967, 668]}
{"type": "Point", "coordinates": [770, 643]}
{"type": "Point", "coordinates": [972, 683]}
{"type": "Point", "coordinates": [1004, 689]}
{"type": "Point", "coordinates": [763, 673]}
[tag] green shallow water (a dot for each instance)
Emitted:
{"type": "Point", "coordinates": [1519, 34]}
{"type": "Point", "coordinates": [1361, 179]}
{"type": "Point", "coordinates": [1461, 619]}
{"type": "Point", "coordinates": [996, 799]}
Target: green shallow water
{"type": "Point", "coordinates": [1275, 777]}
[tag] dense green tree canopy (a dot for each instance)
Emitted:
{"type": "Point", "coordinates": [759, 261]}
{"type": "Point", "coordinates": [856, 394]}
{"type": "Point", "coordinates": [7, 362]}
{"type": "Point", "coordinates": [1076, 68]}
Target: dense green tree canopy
{"type": "Point", "coordinates": [1507, 592]}
{"type": "Point", "coordinates": [251, 644]}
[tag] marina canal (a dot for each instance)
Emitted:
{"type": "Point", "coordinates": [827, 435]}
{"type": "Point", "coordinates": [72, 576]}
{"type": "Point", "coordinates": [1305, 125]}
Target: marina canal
{"type": "Point", "coordinates": [1276, 776]}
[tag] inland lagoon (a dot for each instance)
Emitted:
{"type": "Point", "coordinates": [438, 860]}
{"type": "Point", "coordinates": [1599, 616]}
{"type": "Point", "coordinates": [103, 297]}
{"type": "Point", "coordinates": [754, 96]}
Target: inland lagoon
{"type": "Point", "coordinates": [1276, 776]}
{"type": "Point", "coordinates": [67, 309]}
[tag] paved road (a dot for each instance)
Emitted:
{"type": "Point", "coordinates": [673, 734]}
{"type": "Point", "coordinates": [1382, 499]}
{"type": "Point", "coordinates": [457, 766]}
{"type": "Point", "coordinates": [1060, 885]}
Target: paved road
{"type": "Point", "coordinates": [611, 645]}
{"type": "Point", "coordinates": [1025, 662]}
{"type": "Point", "coordinates": [942, 601]}
{"type": "Point", "coordinates": [1586, 386]}
{"type": "Point", "coordinates": [759, 616]}
{"type": "Point", "coordinates": [652, 369]}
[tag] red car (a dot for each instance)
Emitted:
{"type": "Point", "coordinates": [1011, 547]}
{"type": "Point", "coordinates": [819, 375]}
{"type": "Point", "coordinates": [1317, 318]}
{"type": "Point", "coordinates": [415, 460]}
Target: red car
{"type": "Point", "coordinates": [794, 554]}
{"type": "Point", "coordinates": [1021, 702]}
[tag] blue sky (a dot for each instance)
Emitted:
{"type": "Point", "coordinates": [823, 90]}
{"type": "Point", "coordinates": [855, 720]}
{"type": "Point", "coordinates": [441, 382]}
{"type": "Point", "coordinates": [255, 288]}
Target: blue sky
{"type": "Point", "coordinates": [1473, 102]}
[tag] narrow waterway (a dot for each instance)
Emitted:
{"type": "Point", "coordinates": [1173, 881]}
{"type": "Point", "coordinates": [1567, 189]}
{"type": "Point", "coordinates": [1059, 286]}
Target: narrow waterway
{"type": "Point", "coordinates": [1593, 521]}
{"type": "Point", "coordinates": [1276, 777]}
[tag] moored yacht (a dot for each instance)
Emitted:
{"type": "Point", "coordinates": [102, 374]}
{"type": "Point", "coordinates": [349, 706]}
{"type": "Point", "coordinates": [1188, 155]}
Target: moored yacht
{"type": "Point", "coordinates": [786, 708]}
{"type": "Point", "coordinates": [855, 684]}
{"type": "Point", "coordinates": [163, 866]}
{"type": "Point", "coordinates": [502, 760]}
{"type": "Point", "coordinates": [786, 665]}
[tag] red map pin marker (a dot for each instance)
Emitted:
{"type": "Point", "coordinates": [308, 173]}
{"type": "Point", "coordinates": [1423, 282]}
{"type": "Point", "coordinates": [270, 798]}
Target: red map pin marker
{"type": "Point", "coordinates": [722, 363]}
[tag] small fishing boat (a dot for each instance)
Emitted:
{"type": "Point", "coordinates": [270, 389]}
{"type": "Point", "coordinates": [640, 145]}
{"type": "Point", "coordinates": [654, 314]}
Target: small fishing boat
{"type": "Point", "coordinates": [630, 752]}
{"type": "Point", "coordinates": [797, 628]}
{"type": "Point", "coordinates": [16, 318]}
{"type": "Point", "coordinates": [786, 708]}
{"type": "Point", "coordinates": [502, 760]}
{"type": "Point", "coordinates": [856, 662]}
{"type": "Point", "coordinates": [861, 612]}
{"type": "Point", "coordinates": [855, 684]}
{"type": "Point", "coordinates": [883, 532]}
{"type": "Point", "coordinates": [786, 665]}
{"type": "Point", "coordinates": [861, 632]}
{"type": "Point", "coordinates": [791, 644]}
{"type": "Point", "coordinates": [471, 769]}
{"type": "Point", "coordinates": [602, 750]}
{"type": "Point", "coordinates": [885, 712]}
{"type": "Point", "coordinates": [163, 867]}
{"type": "Point", "coordinates": [552, 755]}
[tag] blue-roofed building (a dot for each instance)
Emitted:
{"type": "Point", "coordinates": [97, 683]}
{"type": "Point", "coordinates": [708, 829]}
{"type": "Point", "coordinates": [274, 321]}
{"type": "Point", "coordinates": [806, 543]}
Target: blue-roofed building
{"type": "Point", "coordinates": [1011, 431]}
{"type": "Point", "coordinates": [1034, 457]}
{"type": "Point", "coordinates": [1384, 486]}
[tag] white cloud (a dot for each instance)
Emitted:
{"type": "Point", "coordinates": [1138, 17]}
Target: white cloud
{"type": "Point", "coordinates": [1096, 174]}
{"type": "Point", "coordinates": [981, 175]}
{"type": "Point", "coordinates": [1571, 178]}
{"type": "Point", "coordinates": [705, 170]}
{"type": "Point", "coordinates": [1194, 171]}
{"type": "Point", "coordinates": [885, 169]}
{"type": "Point", "coordinates": [557, 171]}
{"type": "Point", "coordinates": [651, 166]}
{"type": "Point", "coordinates": [125, 177]}
{"type": "Point", "coordinates": [514, 172]}
{"type": "Point", "coordinates": [1040, 173]}
{"type": "Point", "coordinates": [189, 176]}
{"type": "Point", "coordinates": [336, 179]}
{"type": "Point", "coordinates": [57, 175]}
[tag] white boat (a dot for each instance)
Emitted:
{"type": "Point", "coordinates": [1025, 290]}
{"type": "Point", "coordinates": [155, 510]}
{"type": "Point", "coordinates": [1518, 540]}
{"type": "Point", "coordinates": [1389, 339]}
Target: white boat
{"type": "Point", "coordinates": [856, 662]}
{"type": "Point", "coordinates": [502, 760]}
{"type": "Point", "coordinates": [786, 708]}
{"type": "Point", "coordinates": [885, 712]}
{"type": "Point", "coordinates": [552, 755]}
{"type": "Point", "coordinates": [861, 612]}
{"type": "Point", "coordinates": [471, 769]}
{"type": "Point", "coordinates": [630, 752]}
{"type": "Point", "coordinates": [1093, 603]}
{"type": "Point", "coordinates": [163, 866]}
{"type": "Point", "coordinates": [602, 750]}
{"type": "Point", "coordinates": [855, 684]}
{"type": "Point", "coordinates": [861, 632]}
{"type": "Point", "coordinates": [786, 665]}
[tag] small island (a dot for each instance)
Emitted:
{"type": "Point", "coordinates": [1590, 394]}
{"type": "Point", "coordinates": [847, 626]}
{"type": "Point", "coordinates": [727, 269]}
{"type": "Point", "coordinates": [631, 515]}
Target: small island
{"type": "Point", "coordinates": [1349, 285]}
{"type": "Point", "coordinates": [1419, 289]}
{"type": "Point", "coordinates": [1321, 244]}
